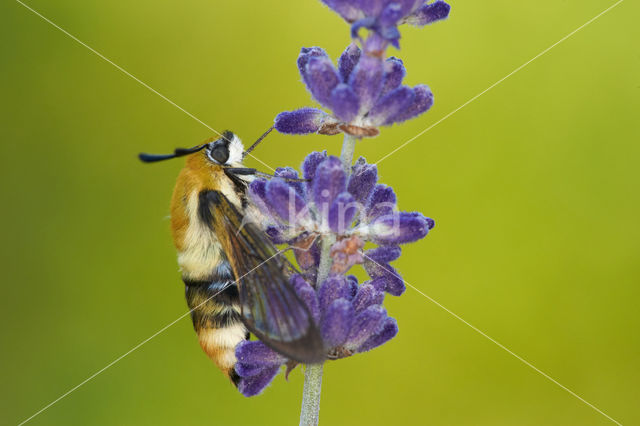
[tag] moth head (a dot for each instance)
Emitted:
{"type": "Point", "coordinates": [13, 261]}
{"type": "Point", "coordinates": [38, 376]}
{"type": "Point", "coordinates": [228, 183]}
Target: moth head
{"type": "Point", "coordinates": [226, 150]}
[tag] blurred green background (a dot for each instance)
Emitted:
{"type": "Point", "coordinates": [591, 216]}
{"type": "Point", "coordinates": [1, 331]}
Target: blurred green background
{"type": "Point", "coordinates": [534, 187]}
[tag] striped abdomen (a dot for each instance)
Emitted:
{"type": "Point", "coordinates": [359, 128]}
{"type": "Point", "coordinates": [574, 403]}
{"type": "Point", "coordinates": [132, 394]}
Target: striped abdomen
{"type": "Point", "coordinates": [216, 317]}
{"type": "Point", "coordinates": [211, 292]}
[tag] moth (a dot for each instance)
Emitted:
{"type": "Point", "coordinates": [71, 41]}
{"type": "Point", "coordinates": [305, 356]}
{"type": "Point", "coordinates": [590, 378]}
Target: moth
{"type": "Point", "coordinates": [236, 281]}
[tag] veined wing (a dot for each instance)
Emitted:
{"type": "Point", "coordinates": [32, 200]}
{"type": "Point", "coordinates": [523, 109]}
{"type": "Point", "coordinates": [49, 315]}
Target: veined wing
{"type": "Point", "coordinates": [271, 309]}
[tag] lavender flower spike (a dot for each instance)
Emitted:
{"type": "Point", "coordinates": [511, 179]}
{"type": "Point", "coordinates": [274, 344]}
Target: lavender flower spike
{"type": "Point", "coordinates": [332, 209]}
{"type": "Point", "coordinates": [351, 322]}
{"type": "Point", "coordinates": [363, 93]}
{"type": "Point", "coordinates": [354, 209]}
{"type": "Point", "coordinates": [382, 17]}
{"type": "Point", "coordinates": [302, 121]}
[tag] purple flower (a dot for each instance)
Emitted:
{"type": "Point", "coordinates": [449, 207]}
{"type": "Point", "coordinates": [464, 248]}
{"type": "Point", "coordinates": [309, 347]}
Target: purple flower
{"type": "Point", "coordinates": [354, 209]}
{"type": "Point", "coordinates": [382, 17]}
{"type": "Point", "coordinates": [350, 209]}
{"type": "Point", "coordinates": [350, 317]}
{"type": "Point", "coordinates": [257, 366]}
{"type": "Point", "coordinates": [363, 92]}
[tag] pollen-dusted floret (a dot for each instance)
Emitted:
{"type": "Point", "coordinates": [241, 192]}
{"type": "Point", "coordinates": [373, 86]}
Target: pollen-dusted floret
{"type": "Point", "coordinates": [382, 17]}
{"type": "Point", "coordinates": [350, 317]}
{"type": "Point", "coordinates": [363, 92]}
{"type": "Point", "coordinates": [346, 253]}
{"type": "Point", "coordinates": [354, 209]}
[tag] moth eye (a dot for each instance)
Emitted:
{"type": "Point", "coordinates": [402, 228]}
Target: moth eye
{"type": "Point", "coordinates": [219, 153]}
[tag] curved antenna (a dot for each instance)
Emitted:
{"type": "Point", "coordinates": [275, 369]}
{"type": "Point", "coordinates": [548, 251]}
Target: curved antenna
{"type": "Point", "coordinates": [252, 147]}
{"type": "Point", "coordinates": [178, 152]}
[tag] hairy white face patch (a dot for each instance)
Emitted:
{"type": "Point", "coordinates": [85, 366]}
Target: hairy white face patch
{"type": "Point", "coordinates": [236, 149]}
{"type": "Point", "coordinates": [227, 150]}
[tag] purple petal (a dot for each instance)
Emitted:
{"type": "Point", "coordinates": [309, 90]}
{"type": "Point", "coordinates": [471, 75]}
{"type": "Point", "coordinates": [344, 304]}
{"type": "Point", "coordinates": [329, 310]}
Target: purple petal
{"type": "Point", "coordinates": [275, 234]}
{"type": "Point", "coordinates": [398, 228]}
{"type": "Point", "coordinates": [366, 81]}
{"type": "Point", "coordinates": [308, 295]}
{"type": "Point", "coordinates": [301, 121]}
{"type": "Point", "coordinates": [391, 105]}
{"type": "Point", "coordinates": [368, 22]}
{"type": "Point", "coordinates": [366, 324]}
{"type": "Point", "coordinates": [409, 6]}
{"type": "Point", "coordinates": [379, 283]}
{"type": "Point", "coordinates": [257, 353]}
{"type": "Point", "coordinates": [248, 370]}
{"type": "Point", "coordinates": [384, 277]}
{"type": "Point", "coordinates": [344, 8]}
{"type": "Point", "coordinates": [335, 287]}
{"type": "Point", "coordinates": [285, 201]}
{"type": "Point", "coordinates": [321, 78]}
{"type": "Point", "coordinates": [258, 190]}
{"type": "Point", "coordinates": [306, 53]}
{"type": "Point", "coordinates": [309, 167]}
{"type": "Point", "coordinates": [370, 7]}
{"type": "Point", "coordinates": [430, 223]}
{"type": "Point", "coordinates": [394, 282]}
{"type": "Point", "coordinates": [344, 103]}
{"type": "Point", "coordinates": [299, 283]}
{"type": "Point", "coordinates": [329, 181]}
{"type": "Point", "coordinates": [429, 13]}
{"type": "Point", "coordinates": [422, 101]}
{"type": "Point", "coordinates": [388, 332]}
{"type": "Point", "coordinates": [337, 322]}
{"type": "Point", "coordinates": [384, 254]}
{"type": "Point", "coordinates": [393, 35]}
{"type": "Point", "coordinates": [348, 60]}
{"type": "Point", "coordinates": [381, 202]}
{"type": "Point", "coordinates": [258, 196]}
{"type": "Point", "coordinates": [367, 296]}
{"type": "Point", "coordinates": [251, 386]}
{"type": "Point", "coordinates": [311, 163]}
{"type": "Point", "coordinates": [394, 73]}
{"type": "Point", "coordinates": [362, 180]}
{"type": "Point", "coordinates": [353, 284]}
{"type": "Point", "coordinates": [391, 14]}
{"type": "Point", "coordinates": [415, 4]}
{"type": "Point", "coordinates": [291, 173]}
{"type": "Point", "coordinates": [341, 212]}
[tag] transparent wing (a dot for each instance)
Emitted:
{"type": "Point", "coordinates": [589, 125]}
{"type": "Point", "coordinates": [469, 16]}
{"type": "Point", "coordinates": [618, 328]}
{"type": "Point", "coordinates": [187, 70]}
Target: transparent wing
{"type": "Point", "coordinates": [271, 309]}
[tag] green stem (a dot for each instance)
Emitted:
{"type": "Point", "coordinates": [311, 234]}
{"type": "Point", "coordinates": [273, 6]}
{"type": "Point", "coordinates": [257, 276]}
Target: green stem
{"type": "Point", "coordinates": [348, 148]}
{"type": "Point", "coordinates": [325, 259]}
{"type": "Point", "coordinates": [310, 412]}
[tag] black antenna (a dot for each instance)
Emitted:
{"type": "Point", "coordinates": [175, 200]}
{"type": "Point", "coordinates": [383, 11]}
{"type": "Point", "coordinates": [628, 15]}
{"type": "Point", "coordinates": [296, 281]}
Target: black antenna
{"type": "Point", "coordinates": [252, 147]}
{"type": "Point", "coordinates": [178, 152]}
